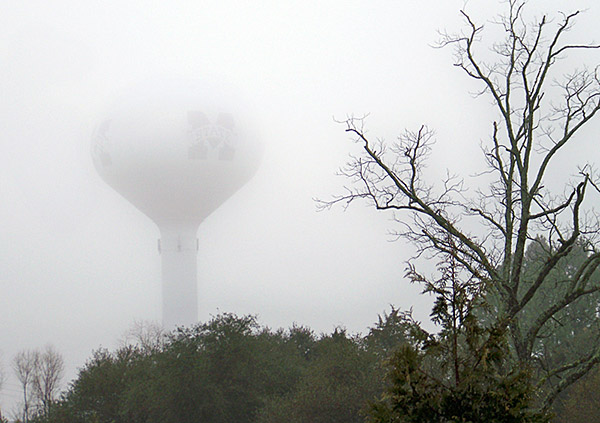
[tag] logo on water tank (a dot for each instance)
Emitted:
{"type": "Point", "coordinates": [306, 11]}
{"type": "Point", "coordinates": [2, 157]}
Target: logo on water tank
{"type": "Point", "coordinates": [211, 139]}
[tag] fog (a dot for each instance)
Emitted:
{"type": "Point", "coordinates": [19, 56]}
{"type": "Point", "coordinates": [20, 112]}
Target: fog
{"type": "Point", "coordinates": [80, 264]}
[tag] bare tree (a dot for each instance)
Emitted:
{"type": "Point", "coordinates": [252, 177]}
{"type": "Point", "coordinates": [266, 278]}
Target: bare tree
{"type": "Point", "coordinates": [146, 335]}
{"type": "Point", "coordinates": [24, 365]}
{"type": "Point", "coordinates": [48, 374]}
{"type": "Point", "coordinates": [539, 113]}
{"type": "Point", "coordinates": [40, 374]}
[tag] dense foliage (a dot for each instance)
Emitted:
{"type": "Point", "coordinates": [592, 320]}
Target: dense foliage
{"type": "Point", "coordinates": [463, 371]}
{"type": "Point", "coordinates": [232, 370]}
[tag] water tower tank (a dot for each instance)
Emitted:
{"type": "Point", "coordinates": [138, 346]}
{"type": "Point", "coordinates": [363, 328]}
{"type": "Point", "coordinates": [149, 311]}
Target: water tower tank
{"type": "Point", "coordinates": [176, 152]}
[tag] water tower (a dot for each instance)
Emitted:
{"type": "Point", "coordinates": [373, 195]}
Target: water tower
{"type": "Point", "coordinates": [176, 152]}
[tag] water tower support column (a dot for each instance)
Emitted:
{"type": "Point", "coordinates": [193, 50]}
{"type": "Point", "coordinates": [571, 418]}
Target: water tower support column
{"type": "Point", "coordinates": [178, 249]}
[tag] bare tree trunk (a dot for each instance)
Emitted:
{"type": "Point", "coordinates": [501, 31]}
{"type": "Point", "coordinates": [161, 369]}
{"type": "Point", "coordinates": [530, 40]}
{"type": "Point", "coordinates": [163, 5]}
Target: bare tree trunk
{"type": "Point", "coordinates": [48, 374]}
{"type": "Point", "coordinates": [24, 365]}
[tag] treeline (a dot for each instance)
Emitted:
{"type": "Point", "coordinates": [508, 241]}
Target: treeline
{"type": "Point", "coordinates": [233, 370]}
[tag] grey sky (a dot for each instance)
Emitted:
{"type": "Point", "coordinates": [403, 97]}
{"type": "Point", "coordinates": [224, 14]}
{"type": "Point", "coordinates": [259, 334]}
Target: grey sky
{"type": "Point", "coordinates": [79, 263]}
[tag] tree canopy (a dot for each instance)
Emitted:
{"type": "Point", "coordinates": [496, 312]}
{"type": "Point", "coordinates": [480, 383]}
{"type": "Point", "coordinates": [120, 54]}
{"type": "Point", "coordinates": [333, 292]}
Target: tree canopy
{"type": "Point", "coordinates": [232, 369]}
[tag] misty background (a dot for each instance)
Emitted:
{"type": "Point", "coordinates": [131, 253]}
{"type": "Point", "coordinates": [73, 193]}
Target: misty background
{"type": "Point", "coordinates": [79, 264]}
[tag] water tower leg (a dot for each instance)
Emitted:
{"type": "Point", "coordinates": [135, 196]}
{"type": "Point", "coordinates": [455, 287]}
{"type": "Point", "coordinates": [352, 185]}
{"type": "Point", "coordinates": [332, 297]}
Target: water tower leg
{"type": "Point", "coordinates": [178, 249]}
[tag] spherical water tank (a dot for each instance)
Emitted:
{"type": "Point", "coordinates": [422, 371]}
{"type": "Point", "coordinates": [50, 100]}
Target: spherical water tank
{"type": "Point", "coordinates": [176, 152]}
